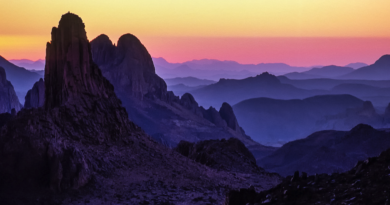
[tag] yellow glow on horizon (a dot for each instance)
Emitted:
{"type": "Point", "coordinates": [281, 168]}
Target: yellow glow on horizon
{"type": "Point", "coordinates": [228, 18]}
{"type": "Point", "coordinates": [29, 21]}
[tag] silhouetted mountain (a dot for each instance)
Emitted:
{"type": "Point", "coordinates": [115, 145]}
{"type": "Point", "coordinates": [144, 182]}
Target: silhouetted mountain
{"type": "Point", "coordinates": [328, 84]}
{"type": "Point", "coordinates": [356, 65]}
{"type": "Point", "coordinates": [366, 183]}
{"type": "Point", "coordinates": [216, 69]}
{"type": "Point", "coordinates": [29, 64]}
{"type": "Point", "coordinates": [380, 70]}
{"type": "Point", "coordinates": [234, 91]}
{"type": "Point", "coordinates": [180, 89]}
{"type": "Point", "coordinates": [275, 122]}
{"type": "Point", "coordinates": [81, 147]}
{"type": "Point", "coordinates": [21, 79]}
{"type": "Point", "coordinates": [327, 151]}
{"type": "Point", "coordinates": [371, 90]}
{"type": "Point", "coordinates": [188, 81]}
{"type": "Point", "coordinates": [324, 72]}
{"type": "Point", "coordinates": [166, 117]}
{"type": "Point", "coordinates": [36, 96]}
{"type": "Point", "coordinates": [8, 98]}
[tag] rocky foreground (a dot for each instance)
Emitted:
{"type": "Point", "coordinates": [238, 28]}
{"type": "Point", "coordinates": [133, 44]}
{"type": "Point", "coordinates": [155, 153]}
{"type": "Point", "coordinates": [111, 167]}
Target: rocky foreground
{"type": "Point", "coordinates": [81, 147]}
{"type": "Point", "coordinates": [367, 183]}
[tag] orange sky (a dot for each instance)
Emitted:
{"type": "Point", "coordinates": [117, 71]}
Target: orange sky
{"type": "Point", "coordinates": [297, 32]}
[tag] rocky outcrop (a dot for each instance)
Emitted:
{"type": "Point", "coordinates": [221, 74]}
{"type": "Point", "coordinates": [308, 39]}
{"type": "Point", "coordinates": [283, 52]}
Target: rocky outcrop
{"type": "Point", "coordinates": [8, 98]}
{"type": "Point", "coordinates": [128, 66]}
{"type": "Point", "coordinates": [36, 96]}
{"type": "Point", "coordinates": [228, 155]}
{"type": "Point", "coordinates": [189, 102]}
{"type": "Point", "coordinates": [80, 105]}
{"type": "Point", "coordinates": [367, 110]}
{"type": "Point", "coordinates": [166, 117]}
{"type": "Point", "coordinates": [82, 144]}
{"type": "Point", "coordinates": [228, 115]}
{"type": "Point", "coordinates": [213, 116]}
{"type": "Point", "coordinates": [367, 183]}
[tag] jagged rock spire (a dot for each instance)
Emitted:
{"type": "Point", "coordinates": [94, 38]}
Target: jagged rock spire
{"type": "Point", "coordinates": [69, 70]}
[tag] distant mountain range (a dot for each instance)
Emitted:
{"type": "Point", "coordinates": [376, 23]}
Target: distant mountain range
{"type": "Point", "coordinates": [188, 81]}
{"type": "Point", "coordinates": [275, 122]}
{"type": "Point", "coordinates": [324, 72]}
{"type": "Point", "coordinates": [29, 64]}
{"type": "Point", "coordinates": [21, 79]}
{"type": "Point", "coordinates": [327, 151]}
{"type": "Point", "coordinates": [380, 70]}
{"type": "Point", "coordinates": [215, 69]}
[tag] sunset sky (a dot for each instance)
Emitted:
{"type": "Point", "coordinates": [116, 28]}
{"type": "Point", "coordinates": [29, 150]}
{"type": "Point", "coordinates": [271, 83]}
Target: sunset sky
{"type": "Point", "coordinates": [297, 32]}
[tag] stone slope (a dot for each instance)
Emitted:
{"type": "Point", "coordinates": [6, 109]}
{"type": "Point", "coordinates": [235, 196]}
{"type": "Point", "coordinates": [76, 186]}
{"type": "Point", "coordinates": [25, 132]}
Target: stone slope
{"type": "Point", "coordinates": [229, 155]}
{"type": "Point", "coordinates": [367, 183]}
{"type": "Point", "coordinates": [82, 148]}
{"type": "Point", "coordinates": [8, 98]}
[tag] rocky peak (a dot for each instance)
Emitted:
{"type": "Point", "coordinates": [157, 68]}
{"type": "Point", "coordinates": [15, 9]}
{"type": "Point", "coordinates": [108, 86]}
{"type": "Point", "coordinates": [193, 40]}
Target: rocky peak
{"type": "Point", "coordinates": [267, 78]}
{"type": "Point", "coordinates": [368, 109]}
{"type": "Point", "coordinates": [383, 61]}
{"type": "Point", "coordinates": [188, 101]}
{"type": "Point", "coordinates": [129, 67]}
{"type": "Point", "coordinates": [103, 50]}
{"type": "Point", "coordinates": [228, 115]}
{"type": "Point", "coordinates": [8, 97]}
{"type": "Point", "coordinates": [36, 95]}
{"type": "Point", "coordinates": [69, 70]}
{"type": "Point", "coordinates": [387, 111]}
{"type": "Point", "coordinates": [213, 116]}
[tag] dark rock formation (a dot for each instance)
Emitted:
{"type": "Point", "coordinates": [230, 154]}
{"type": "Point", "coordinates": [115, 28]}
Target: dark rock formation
{"type": "Point", "coordinates": [213, 116]}
{"type": "Point", "coordinates": [82, 144]}
{"type": "Point", "coordinates": [36, 96]}
{"type": "Point", "coordinates": [367, 110]}
{"type": "Point", "coordinates": [188, 102]}
{"type": "Point", "coordinates": [227, 114]}
{"type": "Point", "coordinates": [8, 98]}
{"type": "Point", "coordinates": [4, 118]}
{"type": "Point", "coordinates": [229, 155]}
{"type": "Point", "coordinates": [166, 117]}
{"type": "Point", "coordinates": [367, 183]}
{"type": "Point", "coordinates": [327, 151]}
{"type": "Point", "coordinates": [129, 66]}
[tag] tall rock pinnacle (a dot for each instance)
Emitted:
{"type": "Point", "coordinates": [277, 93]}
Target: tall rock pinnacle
{"type": "Point", "coordinates": [69, 68]}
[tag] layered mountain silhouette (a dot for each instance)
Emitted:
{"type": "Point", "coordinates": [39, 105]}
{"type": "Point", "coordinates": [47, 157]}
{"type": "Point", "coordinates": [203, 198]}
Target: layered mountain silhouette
{"type": "Point", "coordinates": [365, 183]}
{"type": "Point", "coordinates": [324, 72]}
{"type": "Point", "coordinates": [275, 122]}
{"type": "Point", "coordinates": [82, 146]}
{"type": "Point", "coordinates": [380, 70]}
{"type": "Point", "coordinates": [21, 79]}
{"type": "Point", "coordinates": [234, 91]}
{"type": "Point", "coordinates": [371, 90]}
{"type": "Point", "coordinates": [327, 151]}
{"type": "Point", "coordinates": [166, 117]}
{"type": "Point", "coordinates": [37, 65]}
{"type": "Point", "coordinates": [8, 98]}
{"type": "Point", "coordinates": [188, 81]}
{"type": "Point", "coordinates": [215, 69]}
